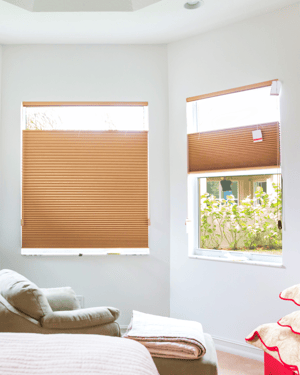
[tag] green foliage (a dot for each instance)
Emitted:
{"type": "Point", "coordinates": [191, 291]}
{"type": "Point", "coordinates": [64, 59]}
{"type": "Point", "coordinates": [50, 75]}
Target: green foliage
{"type": "Point", "coordinates": [250, 225]}
{"type": "Point", "coordinates": [42, 119]}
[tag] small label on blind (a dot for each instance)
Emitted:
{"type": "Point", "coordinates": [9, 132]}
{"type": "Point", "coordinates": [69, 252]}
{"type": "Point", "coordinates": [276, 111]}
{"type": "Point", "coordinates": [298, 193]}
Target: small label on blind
{"type": "Point", "coordinates": [257, 136]}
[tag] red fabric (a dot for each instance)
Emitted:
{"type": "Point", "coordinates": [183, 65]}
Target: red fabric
{"type": "Point", "coordinates": [273, 367]}
{"type": "Point", "coordinates": [293, 369]}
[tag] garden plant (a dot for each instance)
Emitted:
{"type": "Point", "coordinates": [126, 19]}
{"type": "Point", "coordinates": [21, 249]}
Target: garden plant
{"type": "Point", "coordinates": [251, 225]}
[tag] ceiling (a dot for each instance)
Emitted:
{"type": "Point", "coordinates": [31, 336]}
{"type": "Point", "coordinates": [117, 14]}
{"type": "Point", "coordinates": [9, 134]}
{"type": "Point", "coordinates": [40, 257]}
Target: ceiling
{"type": "Point", "coordinates": [120, 21]}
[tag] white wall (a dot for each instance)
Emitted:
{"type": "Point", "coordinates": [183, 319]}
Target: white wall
{"type": "Point", "coordinates": [1, 158]}
{"type": "Point", "coordinates": [90, 73]}
{"type": "Point", "coordinates": [229, 299]}
{"type": "Point", "coordinates": [232, 299]}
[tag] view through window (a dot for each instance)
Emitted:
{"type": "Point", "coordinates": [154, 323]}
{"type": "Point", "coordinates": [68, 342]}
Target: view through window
{"type": "Point", "coordinates": [241, 212]}
{"type": "Point", "coordinates": [86, 117]}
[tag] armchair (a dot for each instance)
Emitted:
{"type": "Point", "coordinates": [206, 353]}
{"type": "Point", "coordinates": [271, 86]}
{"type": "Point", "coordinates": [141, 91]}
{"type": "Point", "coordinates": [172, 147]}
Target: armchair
{"type": "Point", "coordinates": [26, 308]}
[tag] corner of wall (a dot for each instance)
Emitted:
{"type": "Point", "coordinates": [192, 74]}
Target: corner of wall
{"type": "Point", "coordinates": [1, 138]}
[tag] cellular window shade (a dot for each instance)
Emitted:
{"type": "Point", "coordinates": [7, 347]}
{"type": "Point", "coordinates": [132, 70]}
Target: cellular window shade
{"type": "Point", "coordinates": [85, 189]}
{"type": "Point", "coordinates": [234, 149]}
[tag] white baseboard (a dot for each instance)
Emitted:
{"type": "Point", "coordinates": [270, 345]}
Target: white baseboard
{"type": "Point", "coordinates": [238, 348]}
{"type": "Point", "coordinates": [230, 346]}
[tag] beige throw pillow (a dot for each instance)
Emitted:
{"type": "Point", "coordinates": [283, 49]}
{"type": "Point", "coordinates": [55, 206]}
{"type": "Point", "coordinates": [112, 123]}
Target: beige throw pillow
{"type": "Point", "coordinates": [24, 295]}
{"type": "Point", "coordinates": [61, 299]}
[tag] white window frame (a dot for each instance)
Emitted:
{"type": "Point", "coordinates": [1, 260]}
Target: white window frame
{"type": "Point", "coordinates": [84, 251]}
{"type": "Point", "coordinates": [192, 225]}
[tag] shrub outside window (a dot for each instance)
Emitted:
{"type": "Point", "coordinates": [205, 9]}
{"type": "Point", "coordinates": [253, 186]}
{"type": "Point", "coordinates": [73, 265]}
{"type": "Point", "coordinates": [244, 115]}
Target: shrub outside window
{"type": "Point", "coordinates": [246, 224]}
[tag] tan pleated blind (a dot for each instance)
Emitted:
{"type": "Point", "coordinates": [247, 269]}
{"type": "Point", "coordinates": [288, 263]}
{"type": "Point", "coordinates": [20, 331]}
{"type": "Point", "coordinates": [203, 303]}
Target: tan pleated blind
{"type": "Point", "coordinates": [85, 189]}
{"type": "Point", "coordinates": [234, 149]}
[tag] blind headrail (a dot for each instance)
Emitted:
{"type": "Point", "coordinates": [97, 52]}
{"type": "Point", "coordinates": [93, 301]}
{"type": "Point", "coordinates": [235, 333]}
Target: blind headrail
{"type": "Point", "coordinates": [87, 104]}
{"type": "Point", "coordinates": [231, 91]}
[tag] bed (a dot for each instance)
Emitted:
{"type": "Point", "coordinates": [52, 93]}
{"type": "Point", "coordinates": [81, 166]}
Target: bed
{"type": "Point", "coordinates": [64, 354]}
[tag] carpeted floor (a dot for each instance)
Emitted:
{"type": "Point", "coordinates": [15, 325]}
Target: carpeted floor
{"type": "Point", "coordinates": [230, 364]}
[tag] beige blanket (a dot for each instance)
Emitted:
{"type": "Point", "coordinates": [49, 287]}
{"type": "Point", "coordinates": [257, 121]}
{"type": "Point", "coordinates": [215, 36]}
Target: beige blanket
{"type": "Point", "coordinates": [72, 354]}
{"type": "Point", "coordinates": [280, 342]}
{"type": "Point", "coordinates": [167, 337]}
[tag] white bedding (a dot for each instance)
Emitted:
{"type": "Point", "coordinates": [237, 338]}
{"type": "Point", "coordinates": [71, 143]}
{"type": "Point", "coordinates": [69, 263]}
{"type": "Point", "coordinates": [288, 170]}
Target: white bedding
{"type": "Point", "coordinates": [70, 354]}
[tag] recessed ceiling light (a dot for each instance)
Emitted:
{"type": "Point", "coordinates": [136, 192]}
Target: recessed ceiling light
{"type": "Point", "coordinates": [192, 4]}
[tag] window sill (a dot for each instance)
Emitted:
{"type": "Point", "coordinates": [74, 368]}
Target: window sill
{"type": "Point", "coordinates": [238, 257]}
{"type": "Point", "coordinates": [81, 252]}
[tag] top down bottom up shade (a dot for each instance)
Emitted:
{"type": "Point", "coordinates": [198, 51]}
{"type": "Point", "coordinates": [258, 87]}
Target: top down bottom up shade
{"type": "Point", "coordinates": [234, 148]}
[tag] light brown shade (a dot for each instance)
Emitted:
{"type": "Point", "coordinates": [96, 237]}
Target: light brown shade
{"type": "Point", "coordinates": [85, 189]}
{"type": "Point", "coordinates": [234, 149]}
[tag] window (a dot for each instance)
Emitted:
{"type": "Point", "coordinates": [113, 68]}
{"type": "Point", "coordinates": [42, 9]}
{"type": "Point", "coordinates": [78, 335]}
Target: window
{"type": "Point", "coordinates": [85, 178]}
{"type": "Point", "coordinates": [214, 187]}
{"type": "Point", "coordinates": [247, 223]}
{"type": "Point", "coordinates": [235, 197]}
{"type": "Point", "coordinates": [260, 185]}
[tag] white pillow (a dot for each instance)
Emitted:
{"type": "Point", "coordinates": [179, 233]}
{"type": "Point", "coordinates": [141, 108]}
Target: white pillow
{"type": "Point", "coordinates": [291, 294]}
{"type": "Point", "coordinates": [291, 321]}
{"type": "Point", "coordinates": [279, 342]}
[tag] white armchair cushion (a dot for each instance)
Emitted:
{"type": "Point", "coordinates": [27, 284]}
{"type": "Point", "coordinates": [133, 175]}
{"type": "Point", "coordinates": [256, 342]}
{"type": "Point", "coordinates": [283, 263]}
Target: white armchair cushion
{"type": "Point", "coordinates": [89, 317]}
{"type": "Point", "coordinates": [61, 299]}
{"type": "Point", "coordinates": [24, 295]}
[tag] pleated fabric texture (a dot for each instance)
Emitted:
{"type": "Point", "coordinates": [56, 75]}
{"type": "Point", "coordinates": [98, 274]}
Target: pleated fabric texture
{"type": "Point", "coordinates": [85, 189]}
{"type": "Point", "coordinates": [234, 149]}
{"type": "Point", "coordinates": [72, 354]}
